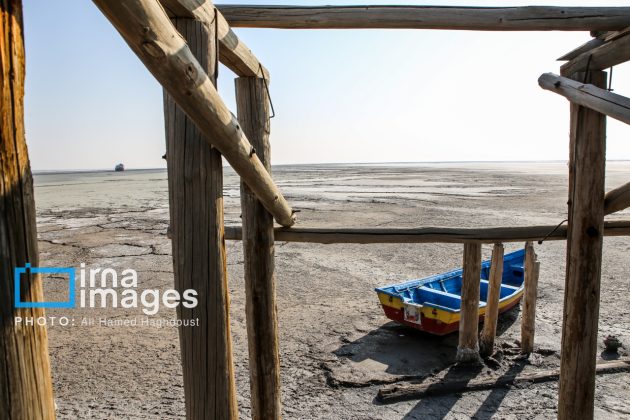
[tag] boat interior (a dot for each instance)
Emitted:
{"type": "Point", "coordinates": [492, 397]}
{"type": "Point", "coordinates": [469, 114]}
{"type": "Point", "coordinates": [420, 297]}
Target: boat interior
{"type": "Point", "coordinates": [443, 291]}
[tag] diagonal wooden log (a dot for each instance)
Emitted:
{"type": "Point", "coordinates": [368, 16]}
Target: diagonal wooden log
{"type": "Point", "coordinates": [232, 51]}
{"type": "Point", "coordinates": [528, 18]}
{"type": "Point", "coordinates": [597, 99]}
{"type": "Point", "coordinates": [607, 55]}
{"type": "Point", "coordinates": [147, 29]}
{"type": "Point", "coordinates": [617, 199]}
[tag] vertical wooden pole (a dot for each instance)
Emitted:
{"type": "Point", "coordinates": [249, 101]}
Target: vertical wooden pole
{"type": "Point", "coordinates": [195, 178]}
{"type": "Point", "coordinates": [468, 348]}
{"type": "Point", "coordinates": [584, 257]}
{"type": "Point", "coordinates": [489, 332]}
{"type": "Point", "coordinates": [25, 384]}
{"type": "Point", "coordinates": [528, 316]}
{"type": "Point", "coordinates": [258, 249]}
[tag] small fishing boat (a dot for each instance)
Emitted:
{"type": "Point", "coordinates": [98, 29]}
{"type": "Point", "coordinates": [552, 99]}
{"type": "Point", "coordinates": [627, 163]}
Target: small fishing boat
{"type": "Point", "coordinates": [119, 168]}
{"type": "Point", "coordinates": [433, 304]}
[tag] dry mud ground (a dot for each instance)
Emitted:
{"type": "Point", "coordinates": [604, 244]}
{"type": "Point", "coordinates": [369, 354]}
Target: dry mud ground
{"type": "Point", "coordinates": [337, 348]}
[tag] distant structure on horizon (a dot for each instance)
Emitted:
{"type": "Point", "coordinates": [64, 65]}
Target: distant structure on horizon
{"type": "Point", "coordinates": [119, 168]}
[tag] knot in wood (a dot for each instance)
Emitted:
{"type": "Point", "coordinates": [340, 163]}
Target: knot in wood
{"type": "Point", "coordinates": [153, 49]}
{"type": "Point", "coordinates": [592, 232]}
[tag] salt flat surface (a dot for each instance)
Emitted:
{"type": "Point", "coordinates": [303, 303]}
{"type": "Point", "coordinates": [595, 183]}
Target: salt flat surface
{"type": "Point", "coordinates": [337, 348]}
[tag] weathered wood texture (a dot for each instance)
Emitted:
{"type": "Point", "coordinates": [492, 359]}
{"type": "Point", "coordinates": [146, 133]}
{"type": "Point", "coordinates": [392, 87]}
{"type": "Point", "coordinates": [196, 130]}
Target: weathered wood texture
{"type": "Point", "coordinates": [530, 18]}
{"type": "Point", "coordinates": [489, 332]}
{"type": "Point", "coordinates": [426, 234]}
{"type": "Point", "coordinates": [195, 178]}
{"type": "Point", "coordinates": [584, 253]}
{"type": "Point", "coordinates": [587, 46]}
{"type": "Point", "coordinates": [528, 314]}
{"type": "Point", "coordinates": [468, 347]}
{"type": "Point", "coordinates": [233, 52]}
{"type": "Point", "coordinates": [25, 382]}
{"type": "Point", "coordinates": [396, 393]}
{"type": "Point", "coordinates": [147, 29]}
{"type": "Point", "coordinates": [258, 251]}
{"type": "Point", "coordinates": [617, 199]}
{"type": "Point", "coordinates": [600, 100]}
{"type": "Point", "coordinates": [607, 55]}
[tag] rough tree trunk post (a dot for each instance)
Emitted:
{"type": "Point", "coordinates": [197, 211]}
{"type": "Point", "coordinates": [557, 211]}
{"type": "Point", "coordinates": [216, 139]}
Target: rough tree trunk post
{"type": "Point", "coordinates": [528, 317]}
{"type": "Point", "coordinates": [468, 348]}
{"type": "Point", "coordinates": [25, 384]}
{"type": "Point", "coordinates": [584, 254]}
{"type": "Point", "coordinates": [195, 178]}
{"type": "Point", "coordinates": [489, 332]}
{"type": "Point", "coordinates": [258, 250]}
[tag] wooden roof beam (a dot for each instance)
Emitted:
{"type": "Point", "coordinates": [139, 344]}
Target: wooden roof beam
{"type": "Point", "coordinates": [529, 18]}
{"type": "Point", "coordinates": [597, 99]}
{"type": "Point", "coordinates": [233, 52]}
{"type": "Point", "coordinates": [610, 54]}
{"type": "Point", "coordinates": [149, 32]}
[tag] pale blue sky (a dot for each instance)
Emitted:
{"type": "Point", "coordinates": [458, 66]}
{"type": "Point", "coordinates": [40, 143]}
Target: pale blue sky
{"type": "Point", "coordinates": [339, 95]}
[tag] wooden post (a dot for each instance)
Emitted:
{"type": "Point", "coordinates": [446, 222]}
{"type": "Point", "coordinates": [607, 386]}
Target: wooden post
{"type": "Point", "coordinates": [584, 255]}
{"type": "Point", "coordinates": [468, 348]}
{"type": "Point", "coordinates": [528, 317]}
{"type": "Point", "coordinates": [258, 250]}
{"type": "Point", "coordinates": [195, 179]}
{"type": "Point", "coordinates": [25, 384]}
{"type": "Point", "coordinates": [486, 342]}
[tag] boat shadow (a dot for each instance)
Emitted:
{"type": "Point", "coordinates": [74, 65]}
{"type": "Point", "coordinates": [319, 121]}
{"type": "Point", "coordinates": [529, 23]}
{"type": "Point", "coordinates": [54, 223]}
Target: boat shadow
{"type": "Point", "coordinates": [408, 352]}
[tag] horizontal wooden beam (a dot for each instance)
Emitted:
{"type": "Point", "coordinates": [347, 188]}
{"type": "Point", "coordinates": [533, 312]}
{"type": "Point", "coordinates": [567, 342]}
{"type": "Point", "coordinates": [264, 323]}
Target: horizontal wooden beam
{"type": "Point", "coordinates": [233, 53]}
{"type": "Point", "coordinates": [617, 199]}
{"type": "Point", "coordinates": [149, 32]}
{"type": "Point", "coordinates": [597, 99]}
{"type": "Point", "coordinates": [426, 234]}
{"type": "Point", "coordinates": [396, 393]}
{"type": "Point", "coordinates": [529, 18]}
{"type": "Point", "coordinates": [610, 54]}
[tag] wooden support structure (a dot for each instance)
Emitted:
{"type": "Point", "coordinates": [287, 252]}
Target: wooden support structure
{"type": "Point", "coordinates": [396, 393]}
{"type": "Point", "coordinates": [587, 46]}
{"type": "Point", "coordinates": [426, 234]}
{"type": "Point", "coordinates": [528, 314]}
{"type": "Point", "coordinates": [584, 258]}
{"type": "Point", "coordinates": [25, 381]}
{"type": "Point", "coordinates": [468, 347]}
{"type": "Point", "coordinates": [489, 332]}
{"type": "Point", "coordinates": [617, 199]}
{"type": "Point", "coordinates": [147, 29]}
{"type": "Point", "coordinates": [232, 51]}
{"type": "Point", "coordinates": [195, 180]}
{"type": "Point", "coordinates": [529, 18]}
{"type": "Point", "coordinates": [600, 100]}
{"type": "Point", "coordinates": [258, 252]}
{"type": "Point", "coordinates": [607, 55]}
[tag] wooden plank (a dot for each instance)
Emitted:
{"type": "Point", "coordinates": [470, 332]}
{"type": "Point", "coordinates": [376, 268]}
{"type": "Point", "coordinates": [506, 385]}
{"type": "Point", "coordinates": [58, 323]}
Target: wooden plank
{"type": "Point", "coordinates": [489, 332]}
{"type": "Point", "coordinates": [468, 347]}
{"type": "Point", "coordinates": [396, 393]}
{"type": "Point", "coordinates": [529, 18]}
{"type": "Point", "coordinates": [587, 46]}
{"type": "Point", "coordinates": [600, 100]}
{"type": "Point", "coordinates": [607, 55]}
{"type": "Point", "coordinates": [584, 257]}
{"type": "Point", "coordinates": [528, 314]}
{"type": "Point", "coordinates": [147, 29]}
{"type": "Point", "coordinates": [25, 384]}
{"type": "Point", "coordinates": [195, 180]}
{"type": "Point", "coordinates": [233, 52]}
{"type": "Point", "coordinates": [258, 251]}
{"type": "Point", "coordinates": [426, 234]}
{"type": "Point", "coordinates": [617, 199]}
